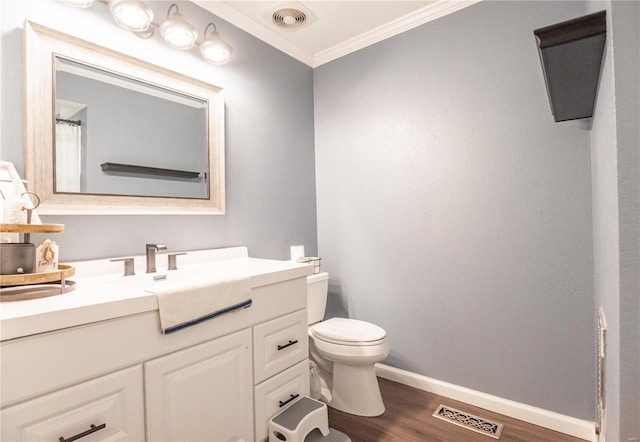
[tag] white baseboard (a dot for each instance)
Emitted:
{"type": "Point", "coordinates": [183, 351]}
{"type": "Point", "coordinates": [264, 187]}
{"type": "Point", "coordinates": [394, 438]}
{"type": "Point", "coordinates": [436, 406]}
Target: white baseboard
{"type": "Point", "coordinates": [527, 413]}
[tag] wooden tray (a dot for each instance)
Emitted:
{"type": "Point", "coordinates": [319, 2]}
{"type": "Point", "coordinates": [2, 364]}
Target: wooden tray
{"type": "Point", "coordinates": [34, 291]}
{"type": "Point", "coordinates": [38, 278]}
{"type": "Point", "coordinates": [32, 228]}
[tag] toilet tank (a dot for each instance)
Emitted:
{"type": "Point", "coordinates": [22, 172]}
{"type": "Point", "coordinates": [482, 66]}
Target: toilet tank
{"type": "Point", "coordinates": [317, 288]}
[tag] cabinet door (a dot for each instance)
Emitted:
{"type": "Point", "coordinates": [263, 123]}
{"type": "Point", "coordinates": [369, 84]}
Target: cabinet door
{"type": "Point", "coordinates": [279, 344]}
{"type": "Point", "coordinates": [203, 393]}
{"type": "Point", "coordinates": [277, 393]}
{"type": "Point", "coordinates": [107, 408]}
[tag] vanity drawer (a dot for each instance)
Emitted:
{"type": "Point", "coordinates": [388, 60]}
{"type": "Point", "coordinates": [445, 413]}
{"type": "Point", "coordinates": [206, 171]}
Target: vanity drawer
{"type": "Point", "coordinates": [277, 393]}
{"type": "Point", "coordinates": [279, 344]}
{"type": "Point", "coordinates": [114, 400]}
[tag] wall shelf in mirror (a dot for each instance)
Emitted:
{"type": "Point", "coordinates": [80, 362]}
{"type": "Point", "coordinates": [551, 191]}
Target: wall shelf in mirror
{"type": "Point", "coordinates": [146, 170]}
{"type": "Point", "coordinates": [571, 55]}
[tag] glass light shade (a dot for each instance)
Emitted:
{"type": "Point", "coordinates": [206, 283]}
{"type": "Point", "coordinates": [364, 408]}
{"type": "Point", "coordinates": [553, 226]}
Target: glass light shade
{"type": "Point", "coordinates": [215, 50]}
{"type": "Point", "coordinates": [132, 15]}
{"type": "Point", "coordinates": [177, 33]}
{"type": "Point", "coordinates": [78, 3]}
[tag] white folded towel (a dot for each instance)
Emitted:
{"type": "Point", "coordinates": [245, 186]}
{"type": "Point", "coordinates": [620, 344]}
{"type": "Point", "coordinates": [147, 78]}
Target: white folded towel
{"type": "Point", "coordinates": [182, 304]}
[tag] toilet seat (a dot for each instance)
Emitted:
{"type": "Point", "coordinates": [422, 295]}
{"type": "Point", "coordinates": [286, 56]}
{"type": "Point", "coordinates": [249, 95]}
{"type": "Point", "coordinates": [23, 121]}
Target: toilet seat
{"type": "Point", "coordinates": [351, 332]}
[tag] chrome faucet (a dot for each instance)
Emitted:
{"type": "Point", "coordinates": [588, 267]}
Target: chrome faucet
{"type": "Point", "coordinates": [151, 255]}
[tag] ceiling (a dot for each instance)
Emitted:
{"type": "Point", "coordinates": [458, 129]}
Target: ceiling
{"type": "Point", "coordinates": [332, 29]}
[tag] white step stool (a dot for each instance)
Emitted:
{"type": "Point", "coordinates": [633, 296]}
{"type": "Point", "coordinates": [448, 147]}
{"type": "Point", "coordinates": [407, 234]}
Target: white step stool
{"type": "Point", "coordinates": [306, 420]}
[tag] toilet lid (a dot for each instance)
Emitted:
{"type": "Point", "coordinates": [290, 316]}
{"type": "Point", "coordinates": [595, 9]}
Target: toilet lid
{"type": "Point", "coordinates": [348, 330]}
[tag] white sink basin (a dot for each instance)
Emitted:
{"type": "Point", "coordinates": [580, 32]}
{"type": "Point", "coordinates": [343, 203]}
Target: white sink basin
{"type": "Point", "coordinates": [142, 282]}
{"type": "Point", "coordinates": [146, 281]}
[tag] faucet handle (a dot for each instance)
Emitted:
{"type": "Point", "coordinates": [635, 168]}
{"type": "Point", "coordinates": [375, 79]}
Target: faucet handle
{"type": "Point", "coordinates": [129, 269]}
{"type": "Point", "coordinates": [173, 260]}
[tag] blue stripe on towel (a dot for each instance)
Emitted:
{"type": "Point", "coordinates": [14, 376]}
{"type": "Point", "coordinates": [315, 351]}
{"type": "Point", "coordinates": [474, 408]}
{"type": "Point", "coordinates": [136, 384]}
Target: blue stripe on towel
{"type": "Point", "coordinates": [174, 328]}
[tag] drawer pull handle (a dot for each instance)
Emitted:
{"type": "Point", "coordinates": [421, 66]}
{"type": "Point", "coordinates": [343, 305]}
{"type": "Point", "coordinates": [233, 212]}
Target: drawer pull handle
{"type": "Point", "coordinates": [93, 429]}
{"type": "Point", "coordinates": [282, 347]}
{"type": "Point", "coordinates": [291, 397]}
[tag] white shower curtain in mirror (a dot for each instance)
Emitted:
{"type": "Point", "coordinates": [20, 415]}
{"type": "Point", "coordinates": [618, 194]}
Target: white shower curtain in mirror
{"type": "Point", "coordinates": [68, 157]}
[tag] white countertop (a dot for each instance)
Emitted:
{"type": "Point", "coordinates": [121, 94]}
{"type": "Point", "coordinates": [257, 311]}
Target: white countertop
{"type": "Point", "coordinates": [99, 294]}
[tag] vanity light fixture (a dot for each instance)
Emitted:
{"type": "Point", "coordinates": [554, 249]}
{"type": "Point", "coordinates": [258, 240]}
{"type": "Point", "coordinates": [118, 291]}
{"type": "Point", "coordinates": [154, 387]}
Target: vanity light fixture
{"type": "Point", "coordinates": [176, 31]}
{"type": "Point", "coordinates": [137, 17]}
{"type": "Point", "coordinates": [132, 15]}
{"type": "Point", "coordinates": [78, 3]}
{"type": "Point", "coordinates": [214, 49]}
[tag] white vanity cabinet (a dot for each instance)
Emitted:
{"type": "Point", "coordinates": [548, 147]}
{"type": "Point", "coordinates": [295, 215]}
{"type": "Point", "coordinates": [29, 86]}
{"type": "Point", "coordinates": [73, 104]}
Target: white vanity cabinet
{"type": "Point", "coordinates": [220, 380]}
{"type": "Point", "coordinates": [202, 393]}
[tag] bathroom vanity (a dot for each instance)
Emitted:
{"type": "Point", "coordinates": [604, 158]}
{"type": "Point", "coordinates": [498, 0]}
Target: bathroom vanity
{"type": "Point", "coordinates": [92, 364]}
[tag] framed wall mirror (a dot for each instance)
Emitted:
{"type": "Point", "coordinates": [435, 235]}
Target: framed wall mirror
{"type": "Point", "coordinates": [106, 133]}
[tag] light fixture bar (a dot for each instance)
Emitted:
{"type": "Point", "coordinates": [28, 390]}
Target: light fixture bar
{"type": "Point", "coordinates": [137, 17]}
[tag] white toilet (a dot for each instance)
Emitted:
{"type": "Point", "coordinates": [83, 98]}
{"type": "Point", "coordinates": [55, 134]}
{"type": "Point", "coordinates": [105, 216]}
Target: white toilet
{"type": "Point", "coordinates": [345, 351]}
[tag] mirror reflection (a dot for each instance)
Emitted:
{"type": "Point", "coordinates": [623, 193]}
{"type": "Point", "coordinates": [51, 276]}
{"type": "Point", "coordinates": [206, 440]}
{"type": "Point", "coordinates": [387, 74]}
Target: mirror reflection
{"type": "Point", "coordinates": [115, 135]}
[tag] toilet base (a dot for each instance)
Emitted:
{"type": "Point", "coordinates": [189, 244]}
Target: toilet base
{"type": "Point", "coordinates": [355, 390]}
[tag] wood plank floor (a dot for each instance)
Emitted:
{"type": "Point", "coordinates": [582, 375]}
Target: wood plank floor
{"type": "Point", "coordinates": [408, 417]}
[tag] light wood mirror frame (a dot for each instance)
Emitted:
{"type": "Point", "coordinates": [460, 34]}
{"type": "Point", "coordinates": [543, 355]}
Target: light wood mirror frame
{"type": "Point", "coordinates": [40, 46]}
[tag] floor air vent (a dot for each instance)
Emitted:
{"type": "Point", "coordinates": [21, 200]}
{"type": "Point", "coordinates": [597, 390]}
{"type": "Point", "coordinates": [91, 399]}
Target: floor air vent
{"type": "Point", "coordinates": [469, 421]}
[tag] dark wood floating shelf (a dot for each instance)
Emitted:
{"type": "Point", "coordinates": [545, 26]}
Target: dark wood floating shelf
{"type": "Point", "coordinates": [145, 170]}
{"type": "Point", "coordinates": [571, 56]}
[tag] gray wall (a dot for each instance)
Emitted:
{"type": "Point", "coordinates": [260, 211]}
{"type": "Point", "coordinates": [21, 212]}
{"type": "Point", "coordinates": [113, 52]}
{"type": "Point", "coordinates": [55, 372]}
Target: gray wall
{"type": "Point", "coordinates": [615, 147]}
{"type": "Point", "coordinates": [270, 182]}
{"type": "Point", "coordinates": [455, 213]}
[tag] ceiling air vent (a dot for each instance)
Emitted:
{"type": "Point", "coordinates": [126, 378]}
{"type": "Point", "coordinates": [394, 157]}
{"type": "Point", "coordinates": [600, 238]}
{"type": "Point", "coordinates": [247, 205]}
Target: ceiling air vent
{"type": "Point", "coordinates": [289, 18]}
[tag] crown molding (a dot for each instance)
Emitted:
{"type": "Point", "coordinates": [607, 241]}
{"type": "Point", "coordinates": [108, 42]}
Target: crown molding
{"type": "Point", "coordinates": [405, 23]}
{"type": "Point", "coordinates": [395, 27]}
